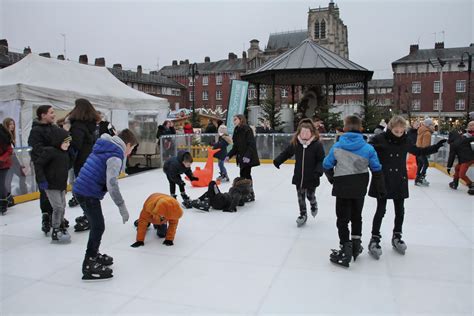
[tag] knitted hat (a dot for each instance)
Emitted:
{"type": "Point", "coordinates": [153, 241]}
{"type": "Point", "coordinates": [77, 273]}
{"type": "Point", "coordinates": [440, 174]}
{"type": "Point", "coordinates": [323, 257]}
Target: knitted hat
{"type": "Point", "coordinates": [222, 130]}
{"type": "Point", "coordinates": [428, 121]}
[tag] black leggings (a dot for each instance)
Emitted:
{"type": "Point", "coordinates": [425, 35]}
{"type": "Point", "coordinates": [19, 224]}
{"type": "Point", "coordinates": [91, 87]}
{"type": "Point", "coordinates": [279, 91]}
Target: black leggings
{"type": "Point", "coordinates": [379, 214]}
{"type": "Point", "coordinates": [245, 172]}
{"type": "Point", "coordinates": [349, 210]}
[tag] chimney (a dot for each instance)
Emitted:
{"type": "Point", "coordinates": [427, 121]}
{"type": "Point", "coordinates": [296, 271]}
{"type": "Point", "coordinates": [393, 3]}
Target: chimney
{"type": "Point", "coordinates": [244, 55]}
{"type": "Point", "coordinates": [186, 61]}
{"type": "Point", "coordinates": [232, 56]}
{"type": "Point", "coordinates": [83, 59]}
{"type": "Point", "coordinates": [117, 66]}
{"type": "Point", "coordinates": [439, 45]}
{"type": "Point", "coordinates": [139, 70]}
{"type": "Point", "coordinates": [47, 55]}
{"type": "Point", "coordinates": [207, 59]}
{"type": "Point", "coordinates": [413, 48]}
{"type": "Point", "coordinates": [61, 57]}
{"type": "Point", "coordinates": [181, 62]}
{"type": "Point", "coordinates": [175, 63]}
{"type": "Point", "coordinates": [26, 50]}
{"type": "Point", "coordinates": [331, 5]}
{"type": "Point", "coordinates": [254, 49]}
{"type": "Point", "coordinates": [100, 62]}
{"type": "Point", "coordinates": [3, 46]}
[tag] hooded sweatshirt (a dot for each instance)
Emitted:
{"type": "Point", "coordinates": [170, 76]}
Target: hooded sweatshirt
{"type": "Point", "coordinates": [350, 159]}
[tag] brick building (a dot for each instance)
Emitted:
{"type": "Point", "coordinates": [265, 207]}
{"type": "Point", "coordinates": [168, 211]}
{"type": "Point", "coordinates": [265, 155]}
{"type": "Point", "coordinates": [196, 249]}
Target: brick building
{"type": "Point", "coordinates": [417, 85]}
{"type": "Point", "coordinates": [212, 82]}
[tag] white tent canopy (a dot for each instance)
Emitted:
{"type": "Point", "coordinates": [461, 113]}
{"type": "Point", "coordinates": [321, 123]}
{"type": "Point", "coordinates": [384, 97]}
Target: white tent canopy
{"type": "Point", "coordinates": [37, 80]}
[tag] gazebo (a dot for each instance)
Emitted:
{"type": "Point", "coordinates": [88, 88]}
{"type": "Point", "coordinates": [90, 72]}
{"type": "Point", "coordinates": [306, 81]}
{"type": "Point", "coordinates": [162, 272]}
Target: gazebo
{"type": "Point", "coordinates": [308, 64]}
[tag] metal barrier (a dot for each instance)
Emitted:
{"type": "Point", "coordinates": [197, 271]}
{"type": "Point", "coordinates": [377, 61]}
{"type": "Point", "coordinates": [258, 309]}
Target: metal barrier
{"type": "Point", "coordinates": [269, 146]}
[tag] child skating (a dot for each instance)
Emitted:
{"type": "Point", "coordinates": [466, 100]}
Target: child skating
{"type": "Point", "coordinates": [173, 168]}
{"type": "Point", "coordinates": [346, 167]}
{"type": "Point", "coordinates": [222, 143]}
{"type": "Point", "coordinates": [98, 176]}
{"type": "Point", "coordinates": [309, 155]}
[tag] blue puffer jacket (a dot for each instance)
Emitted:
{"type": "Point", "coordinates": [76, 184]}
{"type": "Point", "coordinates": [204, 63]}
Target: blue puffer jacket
{"type": "Point", "coordinates": [351, 157]}
{"type": "Point", "coordinates": [92, 178]}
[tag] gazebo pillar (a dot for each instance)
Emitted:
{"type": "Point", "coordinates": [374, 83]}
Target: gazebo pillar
{"type": "Point", "coordinates": [333, 93]}
{"type": "Point", "coordinates": [273, 88]}
{"type": "Point", "coordinates": [366, 95]}
{"type": "Point", "coordinates": [327, 89]}
{"type": "Point", "coordinates": [258, 93]}
{"type": "Point", "coordinates": [293, 96]}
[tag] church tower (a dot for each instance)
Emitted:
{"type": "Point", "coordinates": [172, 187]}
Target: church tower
{"type": "Point", "coordinates": [326, 28]}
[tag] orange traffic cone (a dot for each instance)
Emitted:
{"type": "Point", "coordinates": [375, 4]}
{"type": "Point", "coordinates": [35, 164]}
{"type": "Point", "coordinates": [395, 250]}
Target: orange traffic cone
{"type": "Point", "coordinates": [411, 167]}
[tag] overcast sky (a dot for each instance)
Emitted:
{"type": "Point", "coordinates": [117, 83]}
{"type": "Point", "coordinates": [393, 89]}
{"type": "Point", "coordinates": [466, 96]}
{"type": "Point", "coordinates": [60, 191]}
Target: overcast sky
{"type": "Point", "coordinates": [156, 32]}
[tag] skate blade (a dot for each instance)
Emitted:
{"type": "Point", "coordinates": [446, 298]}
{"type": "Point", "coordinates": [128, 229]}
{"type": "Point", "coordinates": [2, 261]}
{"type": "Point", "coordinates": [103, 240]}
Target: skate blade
{"type": "Point", "coordinates": [339, 263]}
{"type": "Point", "coordinates": [402, 252]}
{"type": "Point", "coordinates": [374, 255]}
{"type": "Point", "coordinates": [61, 242]}
{"type": "Point", "coordinates": [96, 277]}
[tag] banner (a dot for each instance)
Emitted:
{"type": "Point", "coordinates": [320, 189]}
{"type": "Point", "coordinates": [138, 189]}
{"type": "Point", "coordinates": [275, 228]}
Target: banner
{"type": "Point", "coordinates": [237, 99]}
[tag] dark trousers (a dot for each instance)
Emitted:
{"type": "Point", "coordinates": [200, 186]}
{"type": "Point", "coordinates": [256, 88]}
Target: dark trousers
{"type": "Point", "coordinates": [3, 177]}
{"type": "Point", "coordinates": [423, 163]}
{"type": "Point", "coordinates": [173, 186]}
{"type": "Point", "coordinates": [45, 206]}
{"type": "Point", "coordinates": [304, 193]}
{"type": "Point", "coordinates": [93, 210]}
{"type": "Point", "coordinates": [245, 172]}
{"type": "Point", "coordinates": [398, 204]}
{"type": "Point", "coordinates": [349, 210]}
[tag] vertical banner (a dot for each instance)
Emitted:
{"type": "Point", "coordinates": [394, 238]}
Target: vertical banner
{"type": "Point", "coordinates": [237, 99]}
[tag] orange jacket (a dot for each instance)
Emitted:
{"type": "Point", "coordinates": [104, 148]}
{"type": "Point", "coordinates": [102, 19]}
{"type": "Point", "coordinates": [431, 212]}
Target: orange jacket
{"type": "Point", "coordinates": [424, 137]}
{"type": "Point", "coordinates": [159, 209]}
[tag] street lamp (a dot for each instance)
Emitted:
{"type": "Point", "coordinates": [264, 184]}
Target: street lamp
{"type": "Point", "coordinates": [193, 72]}
{"type": "Point", "coordinates": [438, 64]}
{"type": "Point", "coordinates": [469, 69]}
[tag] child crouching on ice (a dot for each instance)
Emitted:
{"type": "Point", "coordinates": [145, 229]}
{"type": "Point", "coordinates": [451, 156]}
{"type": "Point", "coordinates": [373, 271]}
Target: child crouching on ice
{"type": "Point", "coordinates": [309, 156]}
{"type": "Point", "coordinates": [159, 209]}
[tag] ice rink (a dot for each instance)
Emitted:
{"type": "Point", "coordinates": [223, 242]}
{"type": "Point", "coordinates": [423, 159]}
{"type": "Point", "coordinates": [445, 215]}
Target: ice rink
{"type": "Point", "coordinates": [253, 262]}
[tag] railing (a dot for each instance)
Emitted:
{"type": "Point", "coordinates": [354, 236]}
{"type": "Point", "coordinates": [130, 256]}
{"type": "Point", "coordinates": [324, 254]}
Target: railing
{"type": "Point", "coordinates": [269, 146]}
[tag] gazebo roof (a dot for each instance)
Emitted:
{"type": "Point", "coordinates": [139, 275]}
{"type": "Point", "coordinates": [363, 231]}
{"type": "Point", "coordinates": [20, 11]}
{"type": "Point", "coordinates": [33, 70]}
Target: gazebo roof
{"type": "Point", "coordinates": [308, 64]}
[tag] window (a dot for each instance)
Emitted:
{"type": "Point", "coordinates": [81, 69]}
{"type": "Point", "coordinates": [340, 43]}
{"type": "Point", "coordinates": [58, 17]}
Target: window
{"type": "Point", "coordinates": [191, 96]}
{"type": "Point", "coordinates": [175, 92]}
{"type": "Point", "coordinates": [460, 105]}
{"type": "Point", "coordinates": [416, 87]}
{"type": "Point", "coordinates": [284, 93]}
{"type": "Point", "coordinates": [191, 81]}
{"type": "Point", "coordinates": [371, 91]}
{"type": "Point", "coordinates": [263, 93]}
{"type": "Point", "coordinates": [233, 76]}
{"type": "Point", "coordinates": [416, 105]}
{"type": "Point", "coordinates": [436, 104]}
{"type": "Point", "coordinates": [387, 101]}
{"type": "Point", "coordinates": [436, 86]}
{"type": "Point", "coordinates": [320, 29]}
{"type": "Point", "coordinates": [205, 80]}
{"type": "Point", "coordinates": [460, 85]}
{"type": "Point", "coordinates": [219, 94]}
{"type": "Point", "coordinates": [218, 79]}
{"type": "Point", "coordinates": [252, 94]}
{"type": "Point", "coordinates": [205, 95]}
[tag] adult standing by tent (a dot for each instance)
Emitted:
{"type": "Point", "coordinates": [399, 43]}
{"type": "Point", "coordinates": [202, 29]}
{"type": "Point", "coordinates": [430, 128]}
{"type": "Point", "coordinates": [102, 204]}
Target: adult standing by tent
{"type": "Point", "coordinates": [167, 128]}
{"type": "Point", "coordinates": [6, 151]}
{"type": "Point", "coordinates": [245, 149]}
{"type": "Point", "coordinates": [40, 137]}
{"type": "Point", "coordinates": [83, 120]}
{"type": "Point", "coordinates": [17, 167]}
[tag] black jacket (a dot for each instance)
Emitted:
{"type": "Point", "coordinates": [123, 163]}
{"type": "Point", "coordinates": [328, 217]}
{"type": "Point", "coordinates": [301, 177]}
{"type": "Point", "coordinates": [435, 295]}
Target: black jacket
{"type": "Point", "coordinates": [461, 147]}
{"type": "Point", "coordinates": [244, 146]}
{"type": "Point", "coordinates": [164, 131]}
{"type": "Point", "coordinates": [222, 144]}
{"type": "Point", "coordinates": [40, 137]}
{"type": "Point", "coordinates": [308, 163]}
{"type": "Point", "coordinates": [83, 139]}
{"type": "Point", "coordinates": [210, 129]}
{"type": "Point", "coordinates": [53, 164]}
{"type": "Point", "coordinates": [174, 167]}
{"type": "Point", "coordinates": [412, 135]}
{"type": "Point", "coordinates": [227, 201]}
{"type": "Point", "coordinates": [392, 152]}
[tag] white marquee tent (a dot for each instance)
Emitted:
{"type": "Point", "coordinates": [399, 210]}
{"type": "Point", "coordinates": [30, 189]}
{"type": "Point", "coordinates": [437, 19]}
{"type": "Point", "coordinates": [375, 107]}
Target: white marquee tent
{"type": "Point", "coordinates": [37, 80]}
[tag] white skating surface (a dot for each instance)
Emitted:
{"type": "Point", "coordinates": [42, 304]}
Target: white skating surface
{"type": "Point", "coordinates": [253, 262]}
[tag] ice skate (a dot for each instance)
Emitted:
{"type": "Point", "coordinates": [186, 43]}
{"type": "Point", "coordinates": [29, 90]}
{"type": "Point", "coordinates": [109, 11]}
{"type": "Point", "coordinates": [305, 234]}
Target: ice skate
{"type": "Point", "coordinates": [104, 259]}
{"type": "Point", "coordinates": [314, 210]}
{"type": "Point", "coordinates": [398, 244]}
{"type": "Point", "coordinates": [3, 206]}
{"type": "Point", "coordinates": [60, 235]}
{"type": "Point", "coordinates": [82, 224]}
{"type": "Point", "coordinates": [187, 203]}
{"type": "Point", "coordinates": [374, 247]}
{"type": "Point", "coordinates": [421, 182]}
{"type": "Point", "coordinates": [343, 256]}
{"type": "Point", "coordinates": [93, 270]}
{"type": "Point", "coordinates": [46, 223]}
{"type": "Point", "coordinates": [301, 220]}
{"type": "Point", "coordinates": [454, 184]}
{"type": "Point", "coordinates": [10, 200]}
{"type": "Point", "coordinates": [73, 202]}
{"type": "Point", "coordinates": [200, 205]}
{"type": "Point", "coordinates": [356, 248]}
{"type": "Point", "coordinates": [471, 189]}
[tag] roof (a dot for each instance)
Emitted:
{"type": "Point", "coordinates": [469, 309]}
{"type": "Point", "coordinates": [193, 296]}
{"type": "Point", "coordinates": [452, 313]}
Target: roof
{"type": "Point", "coordinates": [306, 64]}
{"type": "Point", "coordinates": [424, 55]}
{"type": "Point", "coordinates": [374, 83]}
{"type": "Point", "coordinates": [221, 66]}
{"type": "Point", "coordinates": [132, 76]}
{"type": "Point", "coordinates": [286, 40]}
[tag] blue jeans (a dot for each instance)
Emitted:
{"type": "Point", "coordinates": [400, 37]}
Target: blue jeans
{"type": "Point", "coordinates": [222, 169]}
{"type": "Point", "coordinates": [93, 210]}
